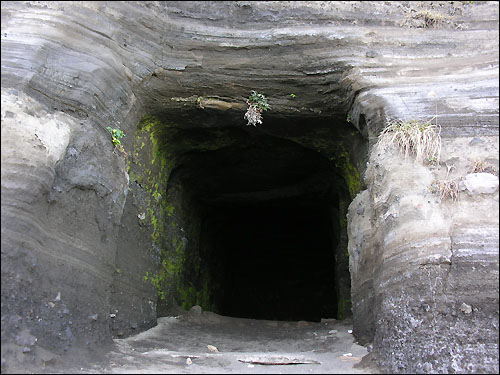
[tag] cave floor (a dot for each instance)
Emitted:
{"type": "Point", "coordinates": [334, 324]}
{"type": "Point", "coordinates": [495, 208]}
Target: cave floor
{"type": "Point", "coordinates": [180, 345]}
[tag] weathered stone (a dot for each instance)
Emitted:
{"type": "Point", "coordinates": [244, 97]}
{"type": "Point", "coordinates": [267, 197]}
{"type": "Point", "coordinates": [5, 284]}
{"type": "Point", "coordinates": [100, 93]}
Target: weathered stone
{"type": "Point", "coordinates": [69, 206]}
{"type": "Point", "coordinates": [466, 309]}
{"type": "Point", "coordinates": [94, 317]}
{"type": "Point", "coordinates": [195, 311]}
{"type": "Point", "coordinates": [443, 253]}
{"type": "Point", "coordinates": [481, 183]}
{"type": "Point", "coordinates": [25, 339]}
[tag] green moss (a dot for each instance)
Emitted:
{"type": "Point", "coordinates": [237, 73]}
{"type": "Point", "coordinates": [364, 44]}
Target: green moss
{"type": "Point", "coordinates": [350, 174]}
{"type": "Point", "coordinates": [168, 208]}
{"type": "Point", "coordinates": [344, 308]}
{"type": "Point", "coordinates": [151, 169]}
{"type": "Point", "coordinates": [190, 296]}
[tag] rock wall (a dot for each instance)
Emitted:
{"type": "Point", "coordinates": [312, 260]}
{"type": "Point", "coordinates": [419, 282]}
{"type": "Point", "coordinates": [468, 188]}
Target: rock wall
{"type": "Point", "coordinates": [69, 70]}
{"type": "Point", "coordinates": [425, 267]}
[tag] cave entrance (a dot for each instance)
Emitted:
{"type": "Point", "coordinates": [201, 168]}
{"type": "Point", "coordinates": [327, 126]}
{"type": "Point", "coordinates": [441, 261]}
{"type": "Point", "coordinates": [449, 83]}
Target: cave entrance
{"type": "Point", "coordinates": [272, 260]}
{"type": "Point", "coordinates": [264, 214]}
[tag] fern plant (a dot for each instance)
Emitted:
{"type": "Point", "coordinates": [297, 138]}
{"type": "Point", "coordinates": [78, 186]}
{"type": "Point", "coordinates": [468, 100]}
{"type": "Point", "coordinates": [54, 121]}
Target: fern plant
{"type": "Point", "coordinates": [257, 103]}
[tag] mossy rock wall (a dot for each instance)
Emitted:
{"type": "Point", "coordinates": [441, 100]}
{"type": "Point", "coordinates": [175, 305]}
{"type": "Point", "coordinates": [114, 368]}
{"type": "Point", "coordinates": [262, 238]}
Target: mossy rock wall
{"type": "Point", "coordinates": [157, 240]}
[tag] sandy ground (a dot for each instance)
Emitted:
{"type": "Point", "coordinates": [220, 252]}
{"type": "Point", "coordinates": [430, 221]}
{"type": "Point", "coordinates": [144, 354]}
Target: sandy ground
{"type": "Point", "coordinates": [180, 345]}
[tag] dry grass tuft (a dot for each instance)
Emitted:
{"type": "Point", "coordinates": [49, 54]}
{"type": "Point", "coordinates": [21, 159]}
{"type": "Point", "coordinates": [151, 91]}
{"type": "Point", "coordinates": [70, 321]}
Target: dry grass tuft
{"type": "Point", "coordinates": [424, 19]}
{"type": "Point", "coordinates": [421, 139]}
{"type": "Point", "coordinates": [447, 189]}
{"type": "Point", "coordinates": [430, 19]}
{"type": "Point", "coordinates": [253, 115]}
{"type": "Point", "coordinates": [478, 166]}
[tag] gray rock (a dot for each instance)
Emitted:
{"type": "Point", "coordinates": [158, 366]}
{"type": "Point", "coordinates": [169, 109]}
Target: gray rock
{"type": "Point", "coordinates": [476, 141]}
{"type": "Point", "coordinates": [94, 317]}
{"type": "Point", "coordinates": [481, 183]}
{"type": "Point", "coordinates": [26, 339]}
{"type": "Point", "coordinates": [195, 311]}
{"type": "Point", "coordinates": [69, 334]}
{"type": "Point", "coordinates": [466, 309]}
{"type": "Point", "coordinates": [72, 152]}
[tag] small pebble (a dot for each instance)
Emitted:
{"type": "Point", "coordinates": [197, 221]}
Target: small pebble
{"type": "Point", "coordinates": [466, 309]}
{"type": "Point", "coordinates": [476, 141]}
{"type": "Point", "coordinates": [212, 348]}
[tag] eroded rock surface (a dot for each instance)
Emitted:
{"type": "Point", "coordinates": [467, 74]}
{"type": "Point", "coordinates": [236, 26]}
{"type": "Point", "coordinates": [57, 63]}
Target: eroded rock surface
{"type": "Point", "coordinates": [425, 267]}
{"type": "Point", "coordinates": [77, 238]}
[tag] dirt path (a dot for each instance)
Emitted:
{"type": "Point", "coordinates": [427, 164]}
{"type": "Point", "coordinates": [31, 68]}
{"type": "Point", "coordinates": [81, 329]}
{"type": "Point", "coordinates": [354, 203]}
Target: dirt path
{"type": "Point", "coordinates": [180, 345]}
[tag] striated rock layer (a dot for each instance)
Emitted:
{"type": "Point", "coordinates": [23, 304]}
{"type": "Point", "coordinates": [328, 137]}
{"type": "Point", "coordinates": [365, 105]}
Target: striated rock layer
{"type": "Point", "coordinates": [425, 268]}
{"type": "Point", "coordinates": [424, 271]}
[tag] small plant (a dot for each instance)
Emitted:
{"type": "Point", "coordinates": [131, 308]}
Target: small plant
{"type": "Point", "coordinates": [424, 19]}
{"type": "Point", "coordinates": [478, 166]}
{"type": "Point", "coordinates": [481, 166]}
{"type": "Point", "coordinates": [292, 96]}
{"type": "Point", "coordinates": [421, 139]}
{"type": "Point", "coordinates": [116, 135]}
{"type": "Point", "coordinates": [430, 19]}
{"type": "Point", "coordinates": [348, 119]}
{"type": "Point", "coordinates": [256, 104]}
{"type": "Point", "coordinates": [447, 189]}
{"type": "Point", "coordinates": [432, 160]}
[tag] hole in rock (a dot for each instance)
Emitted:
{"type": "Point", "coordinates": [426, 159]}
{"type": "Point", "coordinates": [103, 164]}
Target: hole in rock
{"type": "Point", "coordinates": [273, 260]}
{"type": "Point", "coordinates": [259, 215]}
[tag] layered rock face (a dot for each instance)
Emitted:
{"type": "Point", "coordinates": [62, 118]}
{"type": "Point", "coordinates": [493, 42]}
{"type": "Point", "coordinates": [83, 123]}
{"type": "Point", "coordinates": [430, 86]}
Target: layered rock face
{"type": "Point", "coordinates": [440, 310]}
{"type": "Point", "coordinates": [82, 225]}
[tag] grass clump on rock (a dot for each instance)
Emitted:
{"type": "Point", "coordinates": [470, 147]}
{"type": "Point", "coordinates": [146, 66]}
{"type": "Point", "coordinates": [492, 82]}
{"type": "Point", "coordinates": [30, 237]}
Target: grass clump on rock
{"type": "Point", "coordinates": [447, 189]}
{"type": "Point", "coordinates": [421, 139]}
{"type": "Point", "coordinates": [424, 19]}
